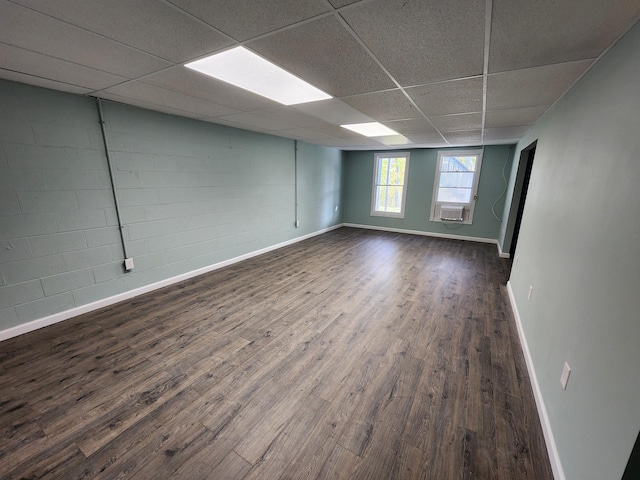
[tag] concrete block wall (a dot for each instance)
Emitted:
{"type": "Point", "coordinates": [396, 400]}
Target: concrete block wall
{"type": "Point", "coordinates": [51, 163]}
{"type": "Point", "coordinates": [191, 193]}
{"type": "Point", "coordinates": [319, 194]}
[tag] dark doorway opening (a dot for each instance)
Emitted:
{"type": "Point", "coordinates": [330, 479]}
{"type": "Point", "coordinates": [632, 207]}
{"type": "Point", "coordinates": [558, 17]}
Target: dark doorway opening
{"type": "Point", "coordinates": [522, 185]}
{"type": "Point", "coordinates": [632, 472]}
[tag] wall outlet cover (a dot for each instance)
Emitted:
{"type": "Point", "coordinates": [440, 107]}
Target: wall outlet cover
{"type": "Point", "coordinates": [128, 264]}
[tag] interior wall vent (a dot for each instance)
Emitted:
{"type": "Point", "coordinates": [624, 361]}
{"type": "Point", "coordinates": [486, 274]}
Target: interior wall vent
{"type": "Point", "coordinates": [452, 213]}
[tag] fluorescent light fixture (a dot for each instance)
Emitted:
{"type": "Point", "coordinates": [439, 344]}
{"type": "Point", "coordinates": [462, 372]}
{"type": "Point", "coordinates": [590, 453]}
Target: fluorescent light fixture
{"type": "Point", "coordinates": [371, 129]}
{"type": "Point", "coordinates": [393, 140]}
{"type": "Point", "coordinates": [245, 69]}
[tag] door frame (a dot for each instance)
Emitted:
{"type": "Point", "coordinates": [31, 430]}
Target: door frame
{"type": "Point", "coordinates": [518, 199]}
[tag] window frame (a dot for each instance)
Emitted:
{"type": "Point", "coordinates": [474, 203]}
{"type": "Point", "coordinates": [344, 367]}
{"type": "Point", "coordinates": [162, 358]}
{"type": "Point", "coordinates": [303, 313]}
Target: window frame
{"type": "Point", "coordinates": [469, 207]}
{"type": "Point", "coordinates": [377, 157]}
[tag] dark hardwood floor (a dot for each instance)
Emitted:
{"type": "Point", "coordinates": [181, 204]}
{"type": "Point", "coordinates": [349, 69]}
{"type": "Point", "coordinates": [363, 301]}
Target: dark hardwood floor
{"type": "Point", "coordinates": [354, 355]}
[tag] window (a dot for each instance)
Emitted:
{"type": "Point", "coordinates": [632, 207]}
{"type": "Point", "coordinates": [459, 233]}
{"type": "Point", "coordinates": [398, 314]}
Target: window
{"type": "Point", "coordinates": [389, 184]}
{"type": "Point", "coordinates": [456, 184]}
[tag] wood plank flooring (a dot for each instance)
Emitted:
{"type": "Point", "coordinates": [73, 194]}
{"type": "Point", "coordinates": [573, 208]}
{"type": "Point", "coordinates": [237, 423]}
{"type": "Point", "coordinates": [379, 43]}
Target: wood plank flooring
{"type": "Point", "coordinates": [352, 355]}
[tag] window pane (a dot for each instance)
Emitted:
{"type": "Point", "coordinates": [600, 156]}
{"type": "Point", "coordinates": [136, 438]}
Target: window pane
{"type": "Point", "coordinates": [454, 195]}
{"type": "Point", "coordinates": [456, 179]}
{"type": "Point", "coordinates": [389, 183]}
{"type": "Point", "coordinates": [459, 164]}
{"type": "Point", "coordinates": [388, 199]}
{"type": "Point", "coordinates": [396, 171]}
{"type": "Point", "coordinates": [391, 171]}
{"type": "Point", "coordinates": [381, 198]}
{"type": "Point", "coordinates": [383, 171]}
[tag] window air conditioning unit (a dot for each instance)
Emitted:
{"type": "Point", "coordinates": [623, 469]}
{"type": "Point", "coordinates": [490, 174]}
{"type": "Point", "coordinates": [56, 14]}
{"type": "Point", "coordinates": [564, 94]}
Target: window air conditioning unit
{"type": "Point", "coordinates": [452, 213]}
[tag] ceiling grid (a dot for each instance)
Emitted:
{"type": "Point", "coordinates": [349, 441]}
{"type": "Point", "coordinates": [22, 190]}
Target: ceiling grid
{"type": "Point", "coordinates": [440, 73]}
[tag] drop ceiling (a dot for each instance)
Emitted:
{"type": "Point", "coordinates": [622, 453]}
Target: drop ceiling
{"type": "Point", "coordinates": [440, 73]}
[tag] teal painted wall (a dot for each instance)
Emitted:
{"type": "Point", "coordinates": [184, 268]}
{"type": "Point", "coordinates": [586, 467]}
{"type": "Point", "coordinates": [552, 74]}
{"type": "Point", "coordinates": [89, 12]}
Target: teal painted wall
{"type": "Point", "coordinates": [358, 171]}
{"type": "Point", "coordinates": [192, 194]}
{"type": "Point", "coordinates": [578, 247]}
{"type": "Point", "coordinates": [319, 187]}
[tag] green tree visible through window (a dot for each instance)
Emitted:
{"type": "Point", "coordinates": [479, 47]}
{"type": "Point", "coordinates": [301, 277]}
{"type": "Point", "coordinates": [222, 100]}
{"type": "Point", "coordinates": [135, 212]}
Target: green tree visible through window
{"type": "Point", "coordinates": [389, 184]}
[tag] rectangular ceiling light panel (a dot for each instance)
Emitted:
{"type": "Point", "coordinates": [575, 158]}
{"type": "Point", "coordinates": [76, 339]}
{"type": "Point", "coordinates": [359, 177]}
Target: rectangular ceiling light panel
{"type": "Point", "coordinates": [371, 129]}
{"type": "Point", "coordinates": [245, 69]}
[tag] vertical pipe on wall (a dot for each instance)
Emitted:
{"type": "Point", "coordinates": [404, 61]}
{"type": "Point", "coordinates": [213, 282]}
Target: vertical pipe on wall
{"type": "Point", "coordinates": [295, 180]}
{"type": "Point", "coordinates": [113, 183]}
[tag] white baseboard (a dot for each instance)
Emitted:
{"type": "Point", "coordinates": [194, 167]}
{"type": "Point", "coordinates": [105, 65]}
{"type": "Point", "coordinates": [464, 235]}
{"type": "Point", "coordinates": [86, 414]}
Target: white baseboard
{"type": "Point", "coordinates": [502, 254]}
{"type": "Point", "coordinates": [552, 449]}
{"type": "Point", "coordinates": [425, 234]}
{"type": "Point", "coordinates": [74, 312]}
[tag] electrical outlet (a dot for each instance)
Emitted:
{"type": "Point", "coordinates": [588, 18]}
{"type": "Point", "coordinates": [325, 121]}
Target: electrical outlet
{"type": "Point", "coordinates": [297, 223]}
{"type": "Point", "coordinates": [530, 292]}
{"type": "Point", "coordinates": [564, 379]}
{"type": "Point", "coordinates": [128, 264]}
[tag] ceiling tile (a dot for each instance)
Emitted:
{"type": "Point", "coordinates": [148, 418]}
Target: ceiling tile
{"type": "Point", "coordinates": [387, 105]}
{"type": "Point", "coordinates": [304, 134]}
{"type": "Point", "coordinates": [249, 120]}
{"type": "Point", "coordinates": [529, 33]}
{"type": "Point", "coordinates": [291, 116]}
{"type": "Point", "coordinates": [502, 141]}
{"type": "Point", "coordinates": [461, 122]}
{"type": "Point", "coordinates": [514, 117]}
{"type": "Point", "coordinates": [423, 41]}
{"type": "Point", "coordinates": [335, 131]}
{"type": "Point", "coordinates": [61, 40]}
{"type": "Point", "coordinates": [245, 19]}
{"type": "Point", "coordinates": [417, 126]}
{"type": "Point", "coordinates": [241, 126]}
{"type": "Point", "coordinates": [323, 53]}
{"type": "Point", "coordinates": [359, 143]}
{"type": "Point", "coordinates": [530, 87]}
{"type": "Point", "coordinates": [428, 140]}
{"type": "Point", "coordinates": [147, 105]}
{"type": "Point", "coordinates": [505, 133]}
{"type": "Point", "coordinates": [152, 26]}
{"type": "Point", "coordinates": [42, 82]}
{"type": "Point", "coordinates": [160, 96]}
{"type": "Point", "coordinates": [394, 140]}
{"type": "Point", "coordinates": [333, 111]}
{"type": "Point", "coordinates": [32, 63]}
{"type": "Point", "coordinates": [342, 3]}
{"type": "Point", "coordinates": [189, 82]}
{"type": "Point", "coordinates": [434, 48]}
{"type": "Point", "coordinates": [470, 137]}
{"type": "Point", "coordinates": [447, 98]}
